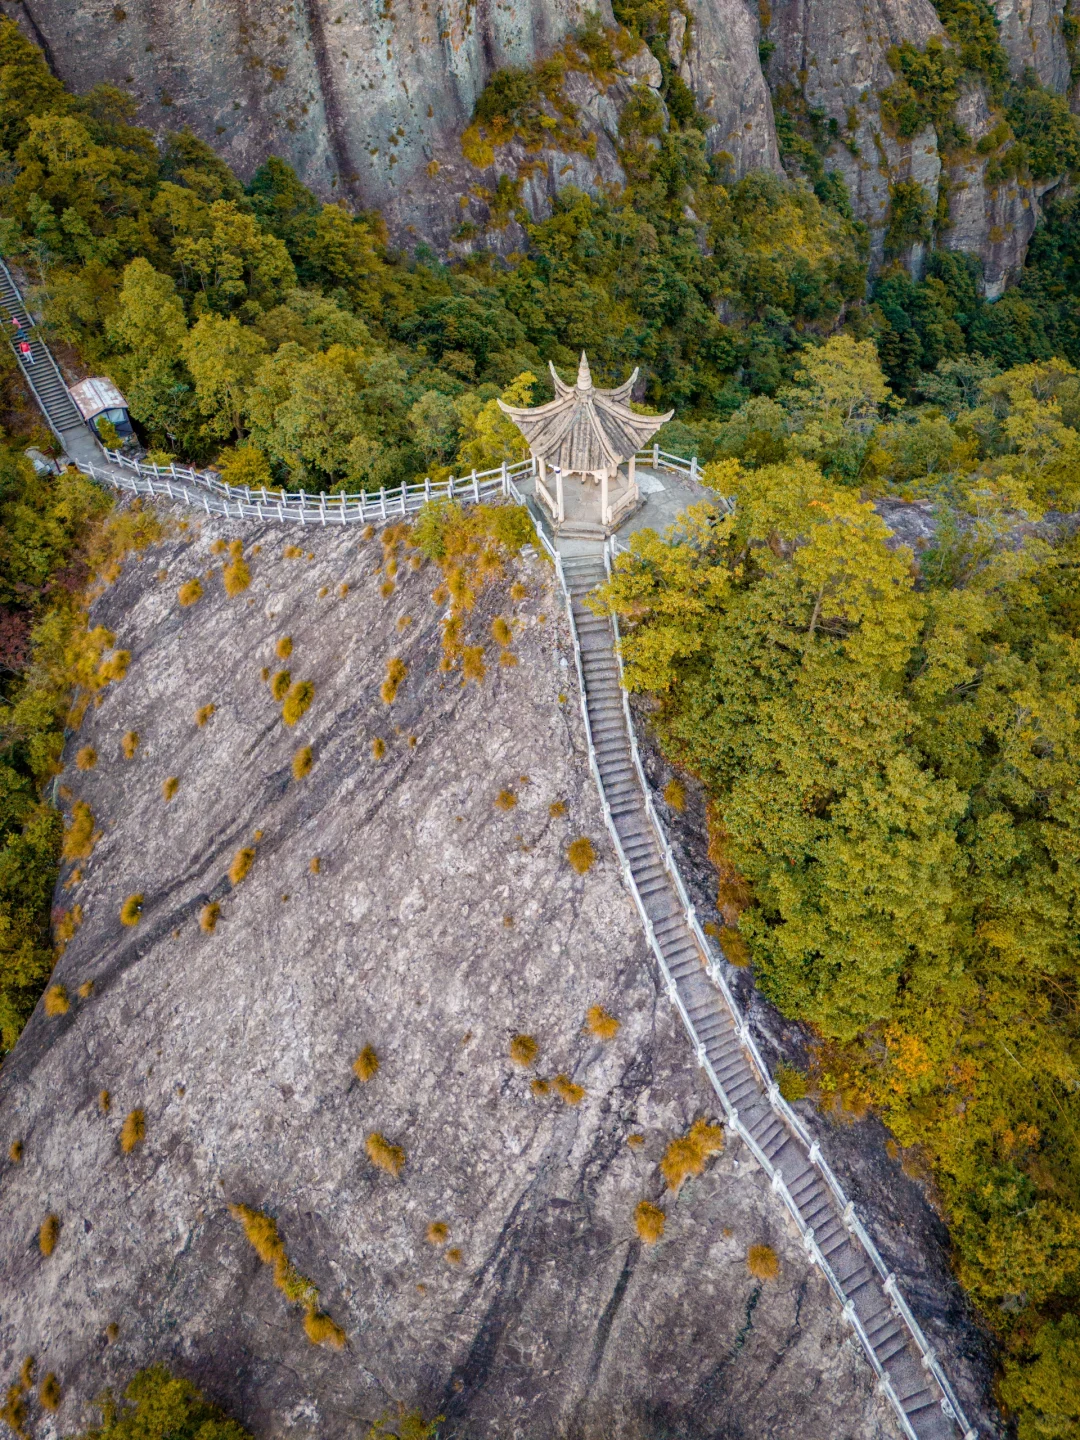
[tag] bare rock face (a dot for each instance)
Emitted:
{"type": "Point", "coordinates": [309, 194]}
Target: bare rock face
{"type": "Point", "coordinates": [1031, 32]}
{"type": "Point", "coordinates": [835, 52]}
{"type": "Point", "coordinates": [369, 102]}
{"type": "Point", "coordinates": [436, 925]}
{"type": "Point", "coordinates": [717, 56]}
{"type": "Point", "coordinates": [993, 221]}
{"type": "Point", "coordinates": [360, 99]}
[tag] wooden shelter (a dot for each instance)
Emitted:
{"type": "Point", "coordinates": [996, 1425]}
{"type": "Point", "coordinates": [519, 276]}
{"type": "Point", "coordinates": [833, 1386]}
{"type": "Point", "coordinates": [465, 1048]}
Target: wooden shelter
{"type": "Point", "coordinates": [588, 433]}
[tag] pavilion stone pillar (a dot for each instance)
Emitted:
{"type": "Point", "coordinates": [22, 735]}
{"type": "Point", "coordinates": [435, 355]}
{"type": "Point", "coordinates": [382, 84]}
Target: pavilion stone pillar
{"type": "Point", "coordinates": [633, 477]}
{"type": "Point", "coordinates": [559, 494]}
{"type": "Point", "coordinates": [604, 496]}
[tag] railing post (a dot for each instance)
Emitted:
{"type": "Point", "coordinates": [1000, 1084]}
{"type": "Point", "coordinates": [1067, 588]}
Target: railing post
{"type": "Point", "coordinates": [655, 456]}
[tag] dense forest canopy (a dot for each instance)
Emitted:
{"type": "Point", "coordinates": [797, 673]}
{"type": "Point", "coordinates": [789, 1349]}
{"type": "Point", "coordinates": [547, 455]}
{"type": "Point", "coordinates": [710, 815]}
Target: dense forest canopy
{"type": "Point", "coordinates": [888, 740]}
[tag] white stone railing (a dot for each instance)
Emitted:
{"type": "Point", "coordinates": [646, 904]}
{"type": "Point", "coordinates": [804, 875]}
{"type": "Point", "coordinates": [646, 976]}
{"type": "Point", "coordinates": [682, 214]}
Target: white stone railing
{"type": "Point", "coordinates": [208, 493]}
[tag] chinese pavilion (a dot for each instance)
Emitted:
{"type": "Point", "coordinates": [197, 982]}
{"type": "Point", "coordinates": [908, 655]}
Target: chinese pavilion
{"type": "Point", "coordinates": [588, 434]}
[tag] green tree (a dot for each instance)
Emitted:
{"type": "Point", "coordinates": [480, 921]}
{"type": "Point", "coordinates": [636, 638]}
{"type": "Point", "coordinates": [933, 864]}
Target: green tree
{"type": "Point", "coordinates": [304, 410]}
{"type": "Point", "coordinates": [221, 250]}
{"type": "Point", "coordinates": [222, 356]}
{"type": "Point", "coordinates": [488, 437]}
{"type": "Point", "coordinates": [160, 1406]}
{"type": "Point", "coordinates": [1044, 1385]}
{"type": "Point", "coordinates": [436, 426]}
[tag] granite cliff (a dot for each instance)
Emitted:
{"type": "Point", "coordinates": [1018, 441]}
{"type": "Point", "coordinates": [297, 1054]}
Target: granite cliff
{"type": "Point", "coordinates": [370, 102]}
{"type": "Point", "coordinates": [440, 919]}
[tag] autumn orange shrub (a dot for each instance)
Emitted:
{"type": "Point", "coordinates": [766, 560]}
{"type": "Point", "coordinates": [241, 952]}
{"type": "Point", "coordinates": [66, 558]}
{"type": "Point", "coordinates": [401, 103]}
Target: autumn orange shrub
{"type": "Point", "coordinates": [649, 1220]}
{"type": "Point", "coordinates": [366, 1065]}
{"type": "Point", "coordinates": [601, 1024]}
{"type": "Point", "coordinates": [56, 1001]}
{"type": "Point", "coordinates": [686, 1155]}
{"type": "Point", "coordinates": [762, 1262]}
{"type": "Point", "coordinates": [384, 1155]}
{"type": "Point", "coordinates": [133, 1131]}
{"type": "Point", "coordinates": [523, 1049]}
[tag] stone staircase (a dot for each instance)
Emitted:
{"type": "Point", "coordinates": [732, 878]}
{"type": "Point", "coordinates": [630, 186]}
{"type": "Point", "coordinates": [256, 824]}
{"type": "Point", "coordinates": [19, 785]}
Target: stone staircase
{"type": "Point", "coordinates": [42, 375]}
{"type": "Point", "coordinates": [713, 1029]}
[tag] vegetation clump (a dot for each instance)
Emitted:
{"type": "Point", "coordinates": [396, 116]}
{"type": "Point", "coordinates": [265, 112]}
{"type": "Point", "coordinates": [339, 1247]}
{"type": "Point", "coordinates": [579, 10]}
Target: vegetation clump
{"type": "Point", "coordinates": [302, 762]}
{"type": "Point", "coordinates": [131, 910]}
{"type": "Point", "coordinates": [241, 865]}
{"type": "Point", "coordinates": [384, 1155]}
{"type": "Point", "coordinates": [505, 800]}
{"type": "Point", "coordinates": [284, 647]}
{"type": "Point", "coordinates": [262, 1233]}
{"type": "Point", "coordinates": [209, 916]}
{"type": "Point", "coordinates": [279, 685]}
{"type": "Point", "coordinates": [50, 1394]}
{"type": "Point", "coordinates": [169, 787]}
{"type": "Point", "coordinates": [396, 670]}
{"type": "Point", "coordinates": [56, 1001]}
{"type": "Point", "coordinates": [49, 1234]}
{"type": "Point", "coordinates": [523, 1050]}
{"type": "Point", "coordinates": [86, 758]}
{"type": "Point", "coordinates": [190, 591]}
{"type": "Point", "coordinates": [129, 744]}
{"type": "Point", "coordinates": [792, 1083]}
{"type": "Point", "coordinates": [236, 577]}
{"type": "Point", "coordinates": [649, 1220]}
{"type": "Point", "coordinates": [686, 1154]}
{"type": "Point", "coordinates": [762, 1262]}
{"type": "Point", "coordinates": [203, 714]}
{"type": "Point", "coordinates": [133, 1131]}
{"type": "Point", "coordinates": [437, 1233]}
{"type": "Point", "coordinates": [581, 854]}
{"type": "Point", "coordinates": [601, 1024]}
{"type": "Point", "coordinates": [321, 1329]}
{"type": "Point", "coordinates": [156, 1405]}
{"type": "Point", "coordinates": [568, 1091]}
{"type": "Point", "coordinates": [366, 1065]}
{"type": "Point", "coordinates": [297, 701]}
{"type": "Point", "coordinates": [675, 794]}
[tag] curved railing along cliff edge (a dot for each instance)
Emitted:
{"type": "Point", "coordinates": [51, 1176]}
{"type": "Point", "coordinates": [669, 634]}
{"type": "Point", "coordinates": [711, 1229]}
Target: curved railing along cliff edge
{"type": "Point", "coordinates": [211, 495]}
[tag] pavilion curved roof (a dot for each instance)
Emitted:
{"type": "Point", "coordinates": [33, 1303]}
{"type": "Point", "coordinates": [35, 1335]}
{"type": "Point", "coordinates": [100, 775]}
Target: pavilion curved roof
{"type": "Point", "coordinates": [584, 428]}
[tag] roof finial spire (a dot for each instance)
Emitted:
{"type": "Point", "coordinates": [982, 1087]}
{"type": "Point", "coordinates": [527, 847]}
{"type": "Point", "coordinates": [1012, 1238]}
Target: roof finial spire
{"type": "Point", "coordinates": [584, 376]}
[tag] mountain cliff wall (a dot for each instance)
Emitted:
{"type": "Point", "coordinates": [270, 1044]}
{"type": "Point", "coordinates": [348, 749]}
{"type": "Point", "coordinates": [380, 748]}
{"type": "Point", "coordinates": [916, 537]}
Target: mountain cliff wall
{"type": "Point", "coordinates": [369, 102]}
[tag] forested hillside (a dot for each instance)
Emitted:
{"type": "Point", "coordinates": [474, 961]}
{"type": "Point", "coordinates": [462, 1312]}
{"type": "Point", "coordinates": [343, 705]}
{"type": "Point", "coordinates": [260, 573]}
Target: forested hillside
{"type": "Point", "coordinates": [889, 740]}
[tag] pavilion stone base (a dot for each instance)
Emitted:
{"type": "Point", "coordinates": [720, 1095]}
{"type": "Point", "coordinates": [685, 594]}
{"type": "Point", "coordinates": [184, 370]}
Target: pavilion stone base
{"type": "Point", "coordinates": [581, 508]}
